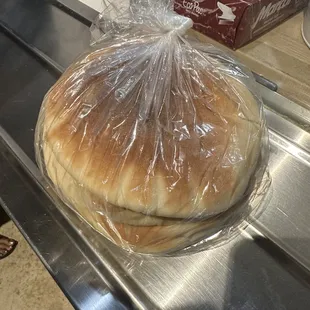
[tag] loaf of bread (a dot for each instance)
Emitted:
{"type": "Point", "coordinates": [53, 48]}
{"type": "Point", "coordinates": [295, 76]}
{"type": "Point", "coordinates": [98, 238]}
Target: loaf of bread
{"type": "Point", "coordinates": [152, 151]}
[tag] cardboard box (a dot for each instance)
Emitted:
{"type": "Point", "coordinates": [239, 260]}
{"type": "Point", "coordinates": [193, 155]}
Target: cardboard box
{"type": "Point", "coordinates": [235, 22]}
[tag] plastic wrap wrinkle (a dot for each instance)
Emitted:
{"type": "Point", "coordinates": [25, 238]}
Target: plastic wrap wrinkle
{"type": "Point", "coordinates": [156, 140]}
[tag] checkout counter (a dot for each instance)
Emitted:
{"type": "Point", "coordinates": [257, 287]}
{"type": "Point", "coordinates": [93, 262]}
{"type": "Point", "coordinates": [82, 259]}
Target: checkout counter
{"type": "Point", "coordinates": [266, 267]}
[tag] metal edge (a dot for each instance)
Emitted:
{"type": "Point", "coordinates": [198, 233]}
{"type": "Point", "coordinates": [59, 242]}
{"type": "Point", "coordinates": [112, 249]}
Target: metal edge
{"type": "Point", "coordinates": [32, 49]}
{"type": "Point", "coordinates": [78, 10]}
{"type": "Point", "coordinates": [265, 82]}
{"type": "Point", "coordinates": [285, 107]}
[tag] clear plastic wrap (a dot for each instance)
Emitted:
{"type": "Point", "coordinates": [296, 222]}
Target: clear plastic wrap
{"type": "Point", "coordinates": [156, 140]}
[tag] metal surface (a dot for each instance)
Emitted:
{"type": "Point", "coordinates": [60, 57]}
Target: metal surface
{"type": "Point", "coordinates": [263, 268]}
{"type": "Point", "coordinates": [305, 30]}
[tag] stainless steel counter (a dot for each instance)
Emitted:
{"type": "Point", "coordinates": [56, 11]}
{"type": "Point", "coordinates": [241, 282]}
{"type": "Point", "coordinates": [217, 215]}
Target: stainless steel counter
{"type": "Point", "coordinates": [265, 267]}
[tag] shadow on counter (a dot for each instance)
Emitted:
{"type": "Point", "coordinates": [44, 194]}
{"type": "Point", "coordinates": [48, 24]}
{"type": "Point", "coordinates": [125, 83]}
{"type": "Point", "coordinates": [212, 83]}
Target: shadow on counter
{"type": "Point", "coordinates": [273, 281]}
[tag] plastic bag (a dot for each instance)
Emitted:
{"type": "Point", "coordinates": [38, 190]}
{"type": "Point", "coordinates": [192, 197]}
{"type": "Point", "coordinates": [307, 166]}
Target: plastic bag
{"type": "Point", "coordinates": [156, 140]}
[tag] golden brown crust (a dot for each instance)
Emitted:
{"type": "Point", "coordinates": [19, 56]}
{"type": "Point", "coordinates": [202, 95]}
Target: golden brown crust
{"type": "Point", "coordinates": [85, 202]}
{"type": "Point", "coordinates": [173, 164]}
{"type": "Point", "coordinates": [131, 230]}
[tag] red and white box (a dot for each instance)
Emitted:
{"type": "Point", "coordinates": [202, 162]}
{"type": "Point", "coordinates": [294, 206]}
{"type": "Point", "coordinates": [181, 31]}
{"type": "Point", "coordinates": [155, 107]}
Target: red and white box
{"type": "Point", "coordinates": [235, 22]}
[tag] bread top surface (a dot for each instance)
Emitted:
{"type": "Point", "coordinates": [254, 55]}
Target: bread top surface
{"type": "Point", "coordinates": [183, 149]}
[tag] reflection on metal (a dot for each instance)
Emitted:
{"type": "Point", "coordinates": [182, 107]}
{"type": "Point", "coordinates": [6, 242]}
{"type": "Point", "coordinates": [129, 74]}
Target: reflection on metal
{"type": "Point", "coordinates": [265, 82]}
{"type": "Point", "coordinates": [285, 107]}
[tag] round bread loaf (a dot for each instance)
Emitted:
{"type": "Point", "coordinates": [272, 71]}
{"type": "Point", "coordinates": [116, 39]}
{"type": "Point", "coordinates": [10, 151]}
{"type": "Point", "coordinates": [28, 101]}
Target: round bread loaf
{"type": "Point", "coordinates": [152, 173]}
{"type": "Point", "coordinates": [186, 154]}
